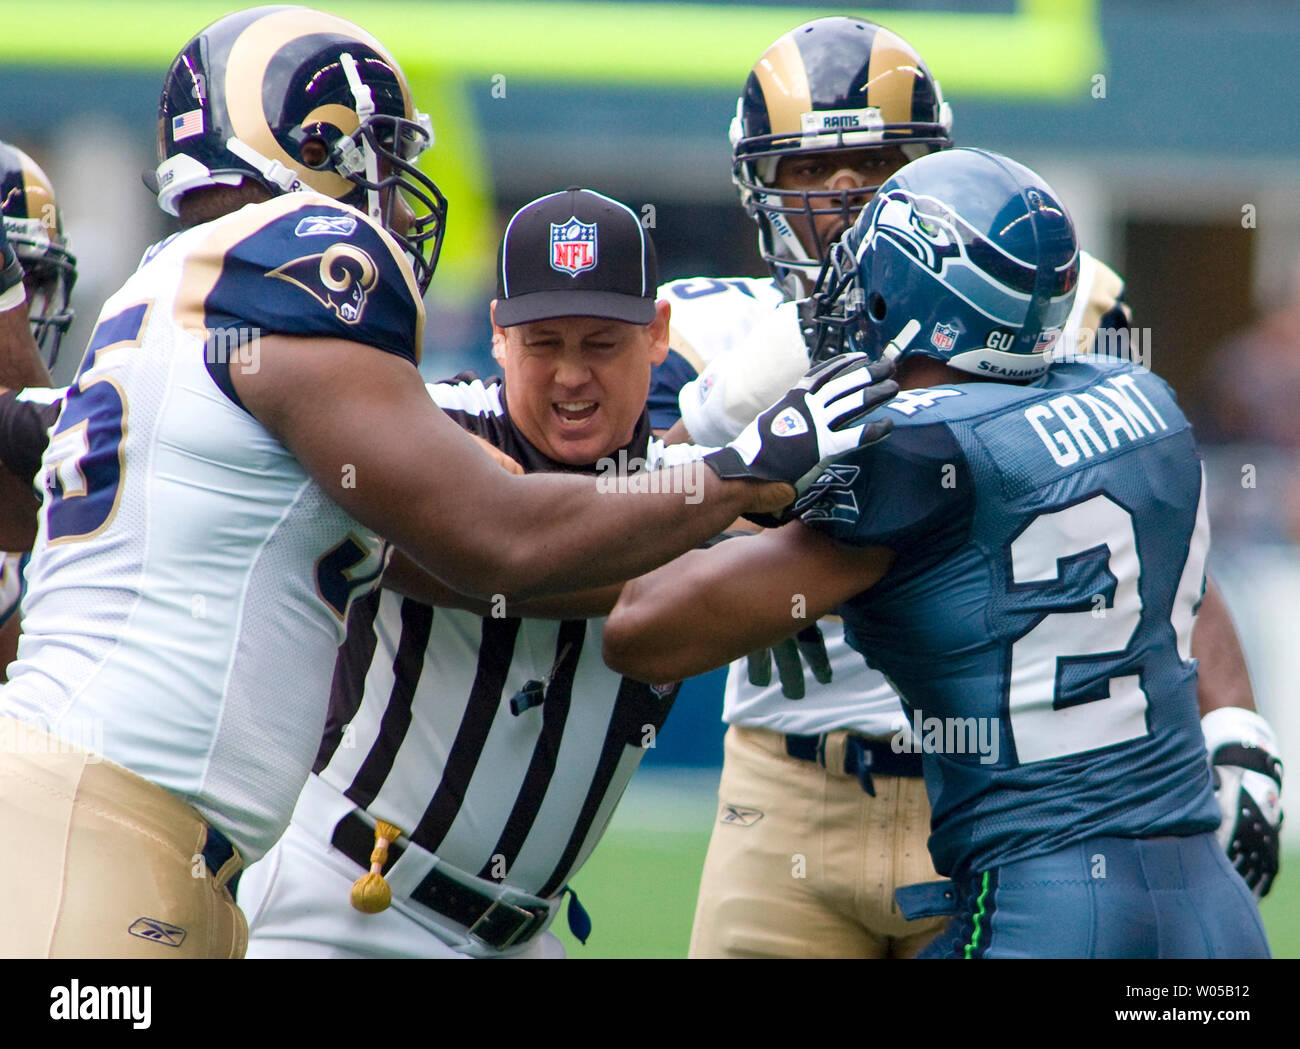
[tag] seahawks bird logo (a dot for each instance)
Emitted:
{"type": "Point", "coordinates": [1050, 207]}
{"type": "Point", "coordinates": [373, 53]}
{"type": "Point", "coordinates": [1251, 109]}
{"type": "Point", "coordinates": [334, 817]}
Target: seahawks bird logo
{"type": "Point", "coordinates": [930, 239]}
{"type": "Point", "coordinates": [339, 278]}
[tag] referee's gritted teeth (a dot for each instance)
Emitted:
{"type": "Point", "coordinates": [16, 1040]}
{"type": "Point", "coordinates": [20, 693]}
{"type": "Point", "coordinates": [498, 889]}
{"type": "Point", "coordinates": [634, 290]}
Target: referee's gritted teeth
{"type": "Point", "coordinates": [576, 326]}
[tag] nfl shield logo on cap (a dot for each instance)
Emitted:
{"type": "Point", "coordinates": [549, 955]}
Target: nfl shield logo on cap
{"type": "Point", "coordinates": [573, 246]}
{"type": "Point", "coordinates": [943, 337]}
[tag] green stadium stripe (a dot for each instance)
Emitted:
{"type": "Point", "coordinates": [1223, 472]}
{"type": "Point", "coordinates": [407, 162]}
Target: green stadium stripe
{"type": "Point", "coordinates": [1046, 49]}
{"type": "Point", "coordinates": [979, 914]}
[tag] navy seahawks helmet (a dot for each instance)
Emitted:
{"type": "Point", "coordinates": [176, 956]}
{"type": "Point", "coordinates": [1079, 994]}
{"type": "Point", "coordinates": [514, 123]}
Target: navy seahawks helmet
{"type": "Point", "coordinates": [34, 226]}
{"type": "Point", "coordinates": [297, 99]}
{"type": "Point", "coordinates": [965, 256]}
{"type": "Point", "coordinates": [830, 84]}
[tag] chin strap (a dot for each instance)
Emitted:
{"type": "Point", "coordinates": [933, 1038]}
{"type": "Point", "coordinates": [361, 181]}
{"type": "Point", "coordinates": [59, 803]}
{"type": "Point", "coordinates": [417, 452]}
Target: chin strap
{"type": "Point", "coordinates": [271, 170]}
{"type": "Point", "coordinates": [365, 105]}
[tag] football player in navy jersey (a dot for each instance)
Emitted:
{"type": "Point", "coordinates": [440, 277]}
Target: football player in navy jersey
{"type": "Point", "coordinates": [1023, 558]}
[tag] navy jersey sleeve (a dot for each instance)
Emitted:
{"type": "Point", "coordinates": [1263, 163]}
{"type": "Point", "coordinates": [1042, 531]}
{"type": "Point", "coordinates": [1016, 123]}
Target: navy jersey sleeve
{"type": "Point", "coordinates": [308, 268]}
{"type": "Point", "coordinates": [666, 382]}
{"type": "Point", "coordinates": [24, 433]}
{"type": "Point", "coordinates": [911, 492]}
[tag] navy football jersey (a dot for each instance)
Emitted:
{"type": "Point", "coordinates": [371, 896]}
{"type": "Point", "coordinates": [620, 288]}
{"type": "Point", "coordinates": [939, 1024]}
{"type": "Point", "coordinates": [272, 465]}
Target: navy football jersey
{"type": "Point", "coordinates": [1037, 619]}
{"type": "Point", "coordinates": [301, 265]}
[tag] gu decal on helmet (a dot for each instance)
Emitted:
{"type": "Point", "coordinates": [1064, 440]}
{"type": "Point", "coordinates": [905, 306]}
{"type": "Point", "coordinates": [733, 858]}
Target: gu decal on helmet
{"type": "Point", "coordinates": [789, 424]}
{"type": "Point", "coordinates": [339, 278]}
{"type": "Point", "coordinates": [943, 337]}
{"type": "Point", "coordinates": [573, 246]}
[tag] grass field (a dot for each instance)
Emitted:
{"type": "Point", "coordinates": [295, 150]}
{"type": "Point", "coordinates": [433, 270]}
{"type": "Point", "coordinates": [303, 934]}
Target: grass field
{"type": "Point", "coordinates": [639, 885]}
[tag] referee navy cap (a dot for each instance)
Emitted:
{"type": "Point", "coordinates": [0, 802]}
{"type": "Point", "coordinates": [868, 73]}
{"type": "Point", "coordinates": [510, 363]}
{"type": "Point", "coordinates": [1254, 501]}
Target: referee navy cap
{"type": "Point", "coordinates": [576, 253]}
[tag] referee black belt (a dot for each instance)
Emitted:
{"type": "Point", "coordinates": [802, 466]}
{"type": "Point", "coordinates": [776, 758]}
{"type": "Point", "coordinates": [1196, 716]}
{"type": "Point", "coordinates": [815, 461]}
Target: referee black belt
{"type": "Point", "coordinates": [863, 757]}
{"type": "Point", "coordinates": [495, 922]}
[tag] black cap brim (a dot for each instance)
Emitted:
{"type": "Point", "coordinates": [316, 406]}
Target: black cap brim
{"type": "Point", "coordinates": [547, 305]}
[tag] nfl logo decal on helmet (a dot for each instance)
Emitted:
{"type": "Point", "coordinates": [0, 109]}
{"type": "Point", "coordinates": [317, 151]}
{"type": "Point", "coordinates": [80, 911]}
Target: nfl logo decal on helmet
{"type": "Point", "coordinates": [573, 246]}
{"type": "Point", "coordinates": [943, 336]}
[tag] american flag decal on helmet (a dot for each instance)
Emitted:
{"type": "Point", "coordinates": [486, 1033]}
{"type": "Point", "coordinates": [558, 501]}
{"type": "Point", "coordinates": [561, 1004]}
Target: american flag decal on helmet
{"type": "Point", "coordinates": [187, 125]}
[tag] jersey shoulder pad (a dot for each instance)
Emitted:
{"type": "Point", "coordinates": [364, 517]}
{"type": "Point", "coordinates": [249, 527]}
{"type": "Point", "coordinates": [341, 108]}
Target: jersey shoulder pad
{"type": "Point", "coordinates": [666, 382]}
{"type": "Point", "coordinates": [1100, 316]}
{"type": "Point", "coordinates": [302, 264]}
{"type": "Point", "coordinates": [473, 404]}
{"type": "Point", "coordinates": [711, 314]}
{"type": "Point", "coordinates": [467, 393]}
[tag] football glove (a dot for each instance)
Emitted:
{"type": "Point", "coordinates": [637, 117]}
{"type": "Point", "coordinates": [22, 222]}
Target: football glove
{"type": "Point", "coordinates": [1248, 784]}
{"type": "Point", "coordinates": [806, 646]}
{"type": "Point", "coordinates": [820, 418]}
{"type": "Point", "coordinates": [12, 292]}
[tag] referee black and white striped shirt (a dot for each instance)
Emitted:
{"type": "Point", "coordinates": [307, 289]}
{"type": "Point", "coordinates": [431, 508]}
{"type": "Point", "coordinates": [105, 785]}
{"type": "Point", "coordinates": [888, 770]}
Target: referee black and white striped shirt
{"type": "Point", "coordinates": [421, 732]}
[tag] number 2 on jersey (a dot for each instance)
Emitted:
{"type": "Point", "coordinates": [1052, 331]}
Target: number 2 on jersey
{"type": "Point", "coordinates": [85, 472]}
{"type": "Point", "coordinates": [1041, 728]}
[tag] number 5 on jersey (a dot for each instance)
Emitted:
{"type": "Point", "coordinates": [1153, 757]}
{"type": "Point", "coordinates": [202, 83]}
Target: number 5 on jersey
{"type": "Point", "coordinates": [84, 463]}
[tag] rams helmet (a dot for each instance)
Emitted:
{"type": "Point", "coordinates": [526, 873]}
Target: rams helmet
{"type": "Point", "coordinates": [34, 227]}
{"type": "Point", "coordinates": [965, 256]}
{"type": "Point", "coordinates": [833, 83]}
{"type": "Point", "coordinates": [299, 99]}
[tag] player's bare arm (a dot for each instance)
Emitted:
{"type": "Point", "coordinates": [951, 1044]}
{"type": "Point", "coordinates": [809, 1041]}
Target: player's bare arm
{"type": "Point", "coordinates": [18, 508]}
{"type": "Point", "coordinates": [1222, 677]}
{"type": "Point", "coordinates": [407, 578]}
{"type": "Point", "coordinates": [722, 603]}
{"type": "Point", "coordinates": [20, 359]}
{"type": "Point", "coordinates": [424, 484]}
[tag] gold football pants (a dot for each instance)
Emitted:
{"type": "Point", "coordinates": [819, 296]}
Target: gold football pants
{"type": "Point", "coordinates": [100, 863]}
{"type": "Point", "coordinates": [803, 862]}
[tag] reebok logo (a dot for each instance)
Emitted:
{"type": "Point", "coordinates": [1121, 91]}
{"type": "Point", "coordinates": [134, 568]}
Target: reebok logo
{"type": "Point", "coordinates": [157, 931]}
{"type": "Point", "coordinates": [739, 817]}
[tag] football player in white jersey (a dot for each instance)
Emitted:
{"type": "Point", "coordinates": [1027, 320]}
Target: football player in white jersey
{"type": "Point", "coordinates": [246, 422]}
{"type": "Point", "coordinates": [820, 768]}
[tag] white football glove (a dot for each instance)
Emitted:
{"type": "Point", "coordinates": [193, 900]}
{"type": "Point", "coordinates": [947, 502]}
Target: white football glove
{"type": "Point", "coordinates": [1248, 784]}
{"type": "Point", "coordinates": [819, 419]}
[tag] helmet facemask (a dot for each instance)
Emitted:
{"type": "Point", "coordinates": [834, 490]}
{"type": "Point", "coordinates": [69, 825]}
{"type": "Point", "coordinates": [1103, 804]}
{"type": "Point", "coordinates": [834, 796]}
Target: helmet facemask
{"type": "Point", "coordinates": [49, 272]}
{"type": "Point", "coordinates": [832, 84]}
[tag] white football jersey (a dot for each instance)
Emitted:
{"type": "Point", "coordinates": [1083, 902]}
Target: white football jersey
{"type": "Point", "coordinates": [190, 582]}
{"type": "Point", "coordinates": [751, 352]}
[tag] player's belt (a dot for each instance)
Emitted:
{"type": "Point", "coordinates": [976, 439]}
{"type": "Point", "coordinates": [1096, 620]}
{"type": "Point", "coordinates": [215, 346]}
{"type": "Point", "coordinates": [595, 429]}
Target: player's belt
{"type": "Point", "coordinates": [495, 922]}
{"type": "Point", "coordinates": [854, 755]}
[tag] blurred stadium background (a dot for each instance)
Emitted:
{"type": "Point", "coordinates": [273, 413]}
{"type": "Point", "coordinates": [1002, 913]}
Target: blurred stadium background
{"type": "Point", "coordinates": [1169, 129]}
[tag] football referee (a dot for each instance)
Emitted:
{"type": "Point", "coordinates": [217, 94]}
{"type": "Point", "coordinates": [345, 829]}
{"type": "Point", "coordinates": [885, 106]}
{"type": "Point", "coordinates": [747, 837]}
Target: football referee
{"type": "Point", "coordinates": [493, 742]}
